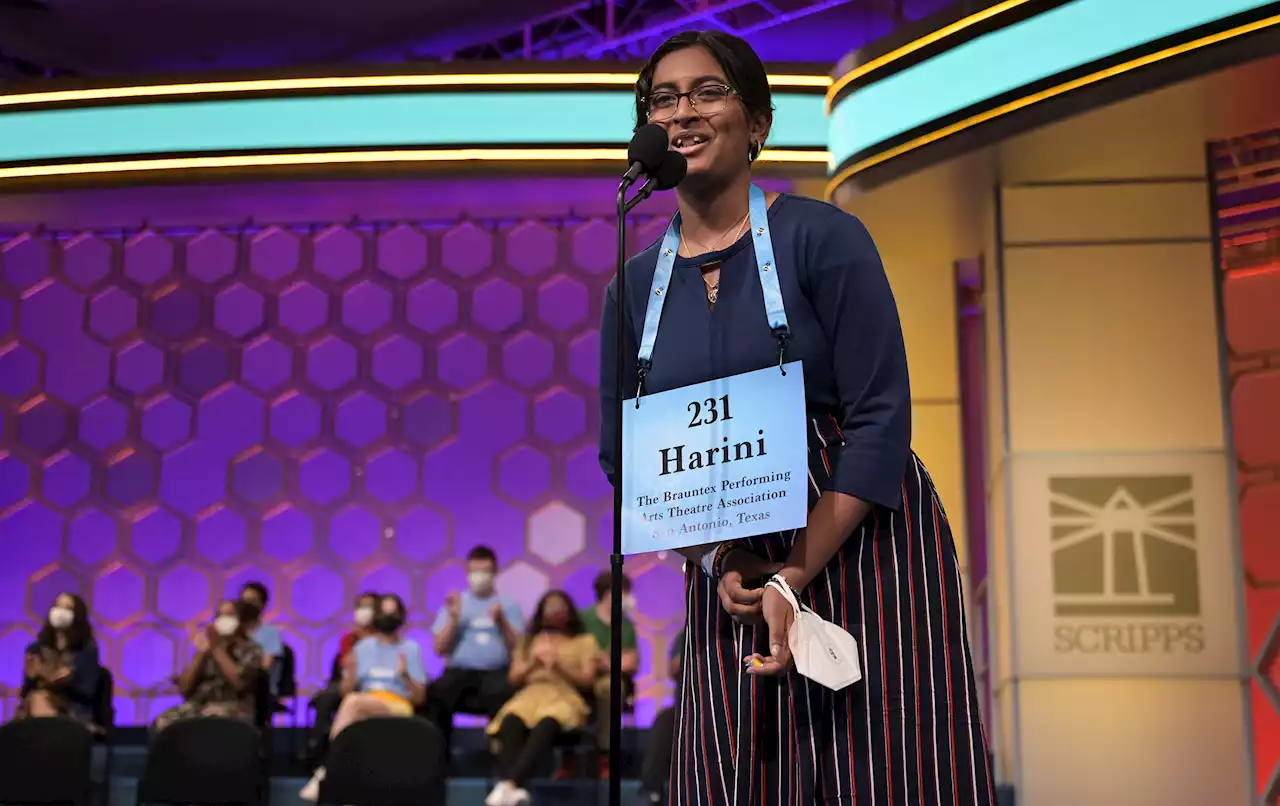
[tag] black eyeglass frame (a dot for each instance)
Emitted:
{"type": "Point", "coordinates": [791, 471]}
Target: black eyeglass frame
{"type": "Point", "coordinates": [728, 90]}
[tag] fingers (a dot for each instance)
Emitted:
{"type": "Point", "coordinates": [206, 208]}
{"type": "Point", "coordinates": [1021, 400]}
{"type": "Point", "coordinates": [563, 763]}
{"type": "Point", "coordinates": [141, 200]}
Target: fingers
{"type": "Point", "coordinates": [747, 613]}
{"type": "Point", "coordinates": [763, 666]}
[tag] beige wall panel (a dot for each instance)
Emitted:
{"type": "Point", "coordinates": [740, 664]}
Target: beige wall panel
{"type": "Point", "coordinates": [1112, 348]}
{"type": "Point", "coordinates": [1000, 593]}
{"type": "Point", "coordinates": [1003, 735]}
{"type": "Point", "coordinates": [922, 224]}
{"type": "Point", "coordinates": [1131, 743]}
{"type": "Point", "coordinates": [1160, 134]}
{"type": "Point", "coordinates": [935, 436]}
{"type": "Point", "coordinates": [1148, 211]}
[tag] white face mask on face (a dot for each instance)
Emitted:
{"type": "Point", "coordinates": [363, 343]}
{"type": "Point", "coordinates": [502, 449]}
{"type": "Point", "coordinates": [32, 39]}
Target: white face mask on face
{"type": "Point", "coordinates": [363, 616]}
{"type": "Point", "coordinates": [226, 625]}
{"type": "Point", "coordinates": [61, 617]}
{"type": "Point", "coordinates": [481, 582]}
{"type": "Point", "coordinates": [629, 604]}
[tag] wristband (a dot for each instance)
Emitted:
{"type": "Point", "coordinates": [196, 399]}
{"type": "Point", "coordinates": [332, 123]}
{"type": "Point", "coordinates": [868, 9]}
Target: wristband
{"type": "Point", "coordinates": [708, 561]}
{"type": "Point", "coordinates": [718, 556]}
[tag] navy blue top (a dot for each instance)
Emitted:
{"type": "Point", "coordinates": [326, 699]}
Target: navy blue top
{"type": "Point", "coordinates": [844, 326]}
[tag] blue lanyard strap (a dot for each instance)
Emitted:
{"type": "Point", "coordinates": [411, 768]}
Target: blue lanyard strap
{"type": "Point", "coordinates": [761, 241]}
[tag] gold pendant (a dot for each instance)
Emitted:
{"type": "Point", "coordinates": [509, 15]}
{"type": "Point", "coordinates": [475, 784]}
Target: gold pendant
{"type": "Point", "coordinates": [712, 293]}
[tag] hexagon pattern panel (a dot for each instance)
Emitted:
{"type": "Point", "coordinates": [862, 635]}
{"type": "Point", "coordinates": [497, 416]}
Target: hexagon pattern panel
{"type": "Point", "coordinates": [1250, 280]}
{"type": "Point", "coordinates": [327, 409]}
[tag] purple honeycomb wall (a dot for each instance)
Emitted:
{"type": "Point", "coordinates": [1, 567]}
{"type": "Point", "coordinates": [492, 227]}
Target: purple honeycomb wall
{"type": "Point", "coordinates": [327, 408]}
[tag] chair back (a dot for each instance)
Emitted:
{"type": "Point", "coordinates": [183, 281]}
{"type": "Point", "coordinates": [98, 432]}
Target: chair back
{"type": "Point", "coordinates": [288, 674]}
{"type": "Point", "coordinates": [207, 761]}
{"type": "Point", "coordinates": [263, 701]}
{"type": "Point", "coordinates": [46, 761]}
{"type": "Point", "coordinates": [386, 761]}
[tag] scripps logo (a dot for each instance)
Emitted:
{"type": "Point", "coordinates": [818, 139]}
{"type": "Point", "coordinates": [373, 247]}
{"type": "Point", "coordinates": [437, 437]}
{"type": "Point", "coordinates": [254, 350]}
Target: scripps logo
{"type": "Point", "coordinates": [1124, 552]}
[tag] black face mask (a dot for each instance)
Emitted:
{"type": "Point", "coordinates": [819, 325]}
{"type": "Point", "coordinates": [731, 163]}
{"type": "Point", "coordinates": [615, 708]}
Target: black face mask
{"type": "Point", "coordinates": [387, 622]}
{"type": "Point", "coordinates": [248, 612]}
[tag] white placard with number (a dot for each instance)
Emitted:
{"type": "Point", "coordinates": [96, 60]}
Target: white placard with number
{"type": "Point", "coordinates": [715, 461]}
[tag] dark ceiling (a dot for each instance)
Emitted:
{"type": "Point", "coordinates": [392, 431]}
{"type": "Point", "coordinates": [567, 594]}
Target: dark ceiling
{"type": "Point", "coordinates": [115, 37]}
{"type": "Point", "coordinates": [125, 36]}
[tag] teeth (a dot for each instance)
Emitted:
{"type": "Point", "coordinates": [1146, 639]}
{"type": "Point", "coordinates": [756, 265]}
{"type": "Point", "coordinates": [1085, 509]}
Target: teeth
{"type": "Point", "coordinates": [690, 140]}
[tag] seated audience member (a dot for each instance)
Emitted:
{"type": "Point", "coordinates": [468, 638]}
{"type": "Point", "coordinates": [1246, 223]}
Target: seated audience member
{"type": "Point", "coordinates": [384, 676]}
{"type": "Point", "coordinates": [553, 665]}
{"type": "Point", "coordinates": [598, 621]}
{"type": "Point", "coordinates": [474, 633]}
{"type": "Point", "coordinates": [655, 768]}
{"type": "Point", "coordinates": [326, 701]}
{"type": "Point", "coordinates": [266, 635]}
{"type": "Point", "coordinates": [61, 668]}
{"type": "Point", "coordinates": [221, 678]}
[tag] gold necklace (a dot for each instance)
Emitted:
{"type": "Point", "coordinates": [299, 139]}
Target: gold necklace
{"type": "Point", "coordinates": [735, 230]}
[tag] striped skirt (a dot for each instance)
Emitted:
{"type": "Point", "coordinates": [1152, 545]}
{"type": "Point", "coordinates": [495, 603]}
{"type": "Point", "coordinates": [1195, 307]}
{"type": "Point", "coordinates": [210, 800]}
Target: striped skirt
{"type": "Point", "coordinates": [908, 734]}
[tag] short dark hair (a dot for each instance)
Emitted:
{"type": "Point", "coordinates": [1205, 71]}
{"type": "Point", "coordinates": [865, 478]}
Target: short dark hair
{"type": "Point", "coordinates": [368, 595]}
{"type": "Point", "coordinates": [604, 584]}
{"type": "Point", "coordinates": [482, 553]}
{"type": "Point", "coordinates": [258, 588]}
{"type": "Point", "coordinates": [742, 68]}
{"type": "Point", "coordinates": [404, 612]}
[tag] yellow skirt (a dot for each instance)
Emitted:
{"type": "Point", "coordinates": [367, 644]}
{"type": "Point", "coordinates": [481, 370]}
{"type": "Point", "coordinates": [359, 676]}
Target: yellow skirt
{"type": "Point", "coordinates": [399, 705]}
{"type": "Point", "coordinates": [544, 700]}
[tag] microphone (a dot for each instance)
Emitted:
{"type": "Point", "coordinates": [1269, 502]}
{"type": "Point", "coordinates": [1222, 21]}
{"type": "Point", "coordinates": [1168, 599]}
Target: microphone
{"type": "Point", "coordinates": [669, 173]}
{"type": "Point", "coordinates": [645, 152]}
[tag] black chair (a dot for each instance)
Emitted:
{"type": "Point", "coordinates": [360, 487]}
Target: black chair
{"type": "Point", "coordinates": [46, 761]}
{"type": "Point", "coordinates": [288, 686]}
{"type": "Point", "coordinates": [104, 725]}
{"type": "Point", "coordinates": [208, 761]}
{"type": "Point", "coordinates": [386, 761]}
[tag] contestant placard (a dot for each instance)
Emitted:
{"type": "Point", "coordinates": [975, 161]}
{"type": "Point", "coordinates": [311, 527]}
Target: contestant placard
{"type": "Point", "coordinates": [715, 461]}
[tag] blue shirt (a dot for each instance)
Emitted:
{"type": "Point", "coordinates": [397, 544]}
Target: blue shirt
{"type": "Point", "coordinates": [479, 644]}
{"type": "Point", "coordinates": [844, 326]}
{"type": "Point", "coordinates": [378, 665]}
{"type": "Point", "coordinates": [269, 638]}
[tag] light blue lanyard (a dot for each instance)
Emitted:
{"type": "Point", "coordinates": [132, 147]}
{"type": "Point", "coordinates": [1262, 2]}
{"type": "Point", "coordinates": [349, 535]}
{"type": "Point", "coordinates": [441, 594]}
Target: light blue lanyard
{"type": "Point", "coordinates": [763, 245]}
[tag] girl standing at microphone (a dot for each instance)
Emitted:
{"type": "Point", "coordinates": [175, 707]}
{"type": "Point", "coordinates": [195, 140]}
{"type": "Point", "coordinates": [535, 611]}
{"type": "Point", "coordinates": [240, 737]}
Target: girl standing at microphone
{"type": "Point", "coordinates": [741, 278]}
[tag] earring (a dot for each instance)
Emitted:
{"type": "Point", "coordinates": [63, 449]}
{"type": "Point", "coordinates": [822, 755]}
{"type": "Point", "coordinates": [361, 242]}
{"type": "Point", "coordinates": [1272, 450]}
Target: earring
{"type": "Point", "coordinates": [753, 152]}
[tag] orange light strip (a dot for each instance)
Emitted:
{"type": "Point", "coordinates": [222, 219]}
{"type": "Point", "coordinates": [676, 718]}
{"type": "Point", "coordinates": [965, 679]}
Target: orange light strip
{"type": "Point", "coordinates": [364, 158]}
{"type": "Point", "coordinates": [916, 44]}
{"type": "Point", "coordinates": [358, 83]}
{"type": "Point", "coordinates": [1044, 95]}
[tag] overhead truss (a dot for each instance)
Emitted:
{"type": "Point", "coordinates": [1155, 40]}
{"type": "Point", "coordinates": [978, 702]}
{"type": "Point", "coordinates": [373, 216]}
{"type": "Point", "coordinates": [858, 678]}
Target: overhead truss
{"type": "Point", "coordinates": [628, 29]}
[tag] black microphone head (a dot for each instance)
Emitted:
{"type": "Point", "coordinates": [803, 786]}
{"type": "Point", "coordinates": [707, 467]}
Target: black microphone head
{"type": "Point", "coordinates": [671, 170]}
{"type": "Point", "coordinates": [648, 145]}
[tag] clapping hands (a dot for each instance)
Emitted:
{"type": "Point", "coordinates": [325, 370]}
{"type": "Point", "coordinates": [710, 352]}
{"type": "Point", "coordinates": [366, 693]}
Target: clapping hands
{"type": "Point", "coordinates": [544, 652]}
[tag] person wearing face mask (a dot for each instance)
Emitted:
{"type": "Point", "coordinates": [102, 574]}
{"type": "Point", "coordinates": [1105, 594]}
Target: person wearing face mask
{"type": "Point", "coordinates": [220, 678]}
{"type": "Point", "coordinates": [474, 634]}
{"type": "Point", "coordinates": [61, 668]}
{"type": "Point", "coordinates": [554, 663]}
{"type": "Point", "coordinates": [326, 701]}
{"type": "Point", "coordinates": [383, 675]}
{"type": "Point", "coordinates": [266, 635]}
{"type": "Point", "coordinates": [598, 619]}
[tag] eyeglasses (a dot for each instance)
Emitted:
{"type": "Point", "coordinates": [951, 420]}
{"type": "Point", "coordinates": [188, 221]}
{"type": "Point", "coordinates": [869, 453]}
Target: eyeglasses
{"type": "Point", "coordinates": [709, 99]}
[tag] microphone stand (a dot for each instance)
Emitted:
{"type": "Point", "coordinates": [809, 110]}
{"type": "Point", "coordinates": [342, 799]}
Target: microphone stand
{"type": "Point", "coordinates": [615, 559]}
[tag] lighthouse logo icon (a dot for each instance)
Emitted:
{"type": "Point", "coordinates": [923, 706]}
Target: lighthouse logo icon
{"type": "Point", "coordinates": [1124, 546]}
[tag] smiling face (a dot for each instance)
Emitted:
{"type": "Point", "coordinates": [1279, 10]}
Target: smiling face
{"type": "Point", "coordinates": [704, 115]}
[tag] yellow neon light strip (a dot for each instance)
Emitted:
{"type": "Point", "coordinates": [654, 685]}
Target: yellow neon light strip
{"type": "Point", "coordinates": [358, 82]}
{"type": "Point", "coordinates": [1043, 95]}
{"type": "Point", "coordinates": [365, 157]}
{"type": "Point", "coordinates": [916, 44]}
